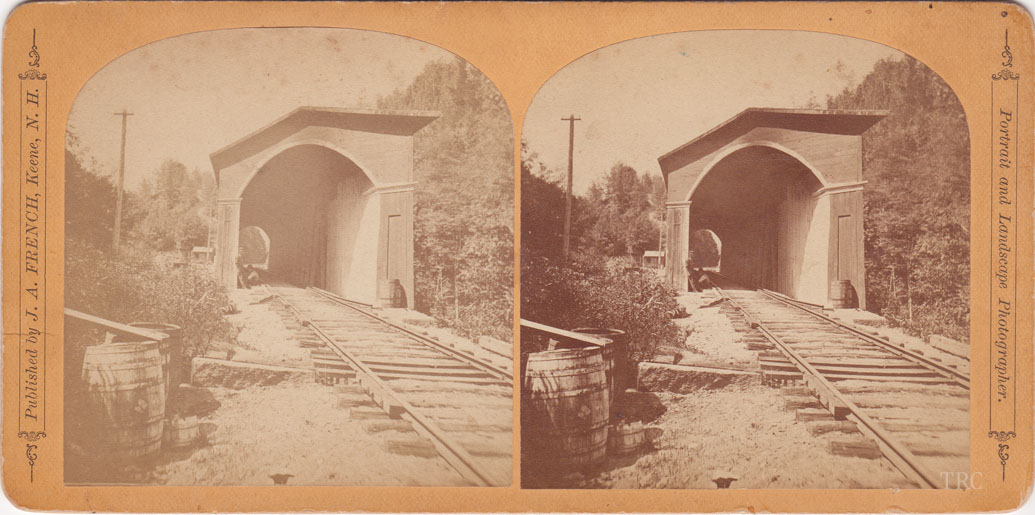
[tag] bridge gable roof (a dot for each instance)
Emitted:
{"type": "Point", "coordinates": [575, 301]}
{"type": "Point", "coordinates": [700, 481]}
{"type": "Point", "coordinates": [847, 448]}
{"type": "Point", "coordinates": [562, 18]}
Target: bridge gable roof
{"type": "Point", "coordinates": [386, 122]}
{"type": "Point", "coordinates": [840, 121]}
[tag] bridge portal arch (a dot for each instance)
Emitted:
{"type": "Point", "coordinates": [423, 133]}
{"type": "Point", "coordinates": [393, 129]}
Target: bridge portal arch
{"type": "Point", "coordinates": [782, 190]}
{"type": "Point", "coordinates": [331, 222]}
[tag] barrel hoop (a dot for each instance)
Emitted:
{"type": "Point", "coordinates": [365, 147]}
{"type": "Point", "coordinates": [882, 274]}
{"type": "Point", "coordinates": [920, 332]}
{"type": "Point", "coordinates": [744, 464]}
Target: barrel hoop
{"type": "Point", "coordinates": [564, 394]}
{"type": "Point", "coordinates": [561, 372]}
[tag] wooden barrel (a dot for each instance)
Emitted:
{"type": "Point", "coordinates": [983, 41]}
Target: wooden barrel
{"type": "Point", "coordinates": [181, 432]}
{"type": "Point", "coordinates": [565, 409]}
{"type": "Point", "coordinates": [624, 439]}
{"type": "Point", "coordinates": [607, 353]}
{"type": "Point", "coordinates": [171, 349]}
{"type": "Point", "coordinates": [390, 293]}
{"type": "Point", "coordinates": [616, 355]}
{"type": "Point", "coordinates": [126, 398]}
{"type": "Point", "coordinates": [841, 294]}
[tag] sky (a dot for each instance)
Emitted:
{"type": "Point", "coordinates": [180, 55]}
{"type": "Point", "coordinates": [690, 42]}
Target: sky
{"type": "Point", "coordinates": [191, 95]}
{"type": "Point", "coordinates": [641, 98]}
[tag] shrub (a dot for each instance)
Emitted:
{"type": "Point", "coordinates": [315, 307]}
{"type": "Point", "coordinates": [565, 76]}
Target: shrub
{"type": "Point", "coordinates": [590, 292]}
{"type": "Point", "coordinates": [136, 287]}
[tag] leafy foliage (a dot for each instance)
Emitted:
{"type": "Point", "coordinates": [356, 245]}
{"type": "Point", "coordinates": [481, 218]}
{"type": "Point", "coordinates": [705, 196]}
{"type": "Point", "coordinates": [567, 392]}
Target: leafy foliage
{"type": "Point", "coordinates": [622, 204]}
{"type": "Point", "coordinates": [917, 201]}
{"type": "Point", "coordinates": [175, 208]}
{"type": "Point", "coordinates": [593, 289]}
{"type": "Point", "coordinates": [89, 203]}
{"type": "Point", "coordinates": [464, 197]}
{"type": "Point", "coordinates": [542, 210]}
{"type": "Point", "coordinates": [620, 216]}
{"type": "Point", "coordinates": [588, 292]}
{"type": "Point", "coordinates": [141, 283]}
{"type": "Point", "coordinates": [133, 287]}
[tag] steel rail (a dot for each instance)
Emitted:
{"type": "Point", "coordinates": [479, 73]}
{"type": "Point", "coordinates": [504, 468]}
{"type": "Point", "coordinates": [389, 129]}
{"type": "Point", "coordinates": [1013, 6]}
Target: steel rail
{"type": "Point", "coordinates": [956, 376]}
{"type": "Point", "coordinates": [452, 452]}
{"type": "Point", "coordinates": [339, 298]}
{"type": "Point", "coordinates": [505, 377]}
{"type": "Point", "coordinates": [789, 299]}
{"type": "Point", "coordinates": [837, 404]}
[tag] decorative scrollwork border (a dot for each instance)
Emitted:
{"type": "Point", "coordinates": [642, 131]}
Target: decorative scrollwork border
{"type": "Point", "coordinates": [1002, 437]}
{"type": "Point", "coordinates": [33, 436]}
{"type": "Point", "coordinates": [34, 60]}
{"type": "Point", "coordinates": [32, 74]}
{"type": "Point", "coordinates": [1007, 54]}
{"type": "Point", "coordinates": [1006, 73]}
{"type": "Point", "coordinates": [30, 449]}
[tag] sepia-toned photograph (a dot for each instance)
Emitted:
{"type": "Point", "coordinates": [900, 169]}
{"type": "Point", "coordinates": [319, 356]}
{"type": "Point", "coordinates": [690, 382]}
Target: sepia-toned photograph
{"type": "Point", "coordinates": [745, 263]}
{"type": "Point", "coordinates": [503, 257]}
{"type": "Point", "coordinates": [289, 259]}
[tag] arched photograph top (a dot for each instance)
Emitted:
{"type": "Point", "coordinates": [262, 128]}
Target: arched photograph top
{"type": "Point", "coordinates": [727, 260]}
{"type": "Point", "coordinates": [289, 261]}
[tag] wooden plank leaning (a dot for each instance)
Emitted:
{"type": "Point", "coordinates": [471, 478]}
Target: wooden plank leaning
{"type": "Point", "coordinates": [115, 327]}
{"type": "Point", "coordinates": [585, 338]}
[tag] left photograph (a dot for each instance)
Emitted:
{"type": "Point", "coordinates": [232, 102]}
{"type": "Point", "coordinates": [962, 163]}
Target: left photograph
{"type": "Point", "coordinates": [289, 261]}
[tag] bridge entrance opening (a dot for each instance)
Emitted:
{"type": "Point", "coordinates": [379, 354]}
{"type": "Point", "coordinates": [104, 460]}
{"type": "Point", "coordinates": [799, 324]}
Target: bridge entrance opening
{"type": "Point", "coordinates": [706, 250]}
{"type": "Point", "coordinates": [782, 189]}
{"type": "Point", "coordinates": [255, 247]}
{"type": "Point", "coordinates": [309, 201]}
{"type": "Point", "coordinates": [761, 203]}
{"type": "Point", "coordinates": [329, 192]}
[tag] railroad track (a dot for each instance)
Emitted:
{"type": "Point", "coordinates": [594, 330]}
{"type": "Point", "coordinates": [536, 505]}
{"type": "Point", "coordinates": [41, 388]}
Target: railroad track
{"type": "Point", "coordinates": [915, 408]}
{"type": "Point", "coordinates": [461, 403]}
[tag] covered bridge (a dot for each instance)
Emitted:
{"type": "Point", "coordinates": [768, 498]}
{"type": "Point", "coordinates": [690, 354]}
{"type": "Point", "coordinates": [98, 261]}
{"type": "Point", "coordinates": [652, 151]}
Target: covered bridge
{"type": "Point", "coordinates": [781, 190]}
{"type": "Point", "coordinates": [321, 197]}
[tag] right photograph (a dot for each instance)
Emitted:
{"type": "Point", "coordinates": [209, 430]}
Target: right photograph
{"type": "Point", "coordinates": [745, 263]}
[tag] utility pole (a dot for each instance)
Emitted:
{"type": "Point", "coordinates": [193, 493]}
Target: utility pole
{"type": "Point", "coordinates": [661, 237]}
{"type": "Point", "coordinates": [567, 194]}
{"type": "Point", "coordinates": [122, 178]}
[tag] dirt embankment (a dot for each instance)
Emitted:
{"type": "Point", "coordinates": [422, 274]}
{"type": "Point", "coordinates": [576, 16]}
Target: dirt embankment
{"type": "Point", "coordinates": [301, 430]}
{"type": "Point", "coordinates": [711, 340]}
{"type": "Point", "coordinates": [264, 419]}
{"type": "Point", "coordinates": [740, 432]}
{"type": "Point", "coordinates": [721, 422]}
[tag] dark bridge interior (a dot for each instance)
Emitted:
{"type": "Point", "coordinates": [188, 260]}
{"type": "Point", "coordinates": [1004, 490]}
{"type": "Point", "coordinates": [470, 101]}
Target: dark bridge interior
{"type": "Point", "coordinates": [308, 200]}
{"type": "Point", "coordinates": [759, 202]}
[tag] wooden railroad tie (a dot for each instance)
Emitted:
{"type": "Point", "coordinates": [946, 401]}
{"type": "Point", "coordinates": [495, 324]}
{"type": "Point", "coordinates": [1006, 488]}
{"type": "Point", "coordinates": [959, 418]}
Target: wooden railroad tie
{"type": "Point", "coordinates": [856, 448]}
{"type": "Point", "coordinates": [822, 427]}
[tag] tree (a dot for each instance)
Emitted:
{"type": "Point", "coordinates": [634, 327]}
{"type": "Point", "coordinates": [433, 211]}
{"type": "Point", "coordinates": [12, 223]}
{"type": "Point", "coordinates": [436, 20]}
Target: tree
{"type": "Point", "coordinates": [131, 285]}
{"type": "Point", "coordinates": [542, 215]}
{"type": "Point", "coordinates": [542, 211]}
{"type": "Point", "coordinates": [626, 215]}
{"type": "Point", "coordinates": [917, 199]}
{"type": "Point", "coordinates": [89, 203]}
{"type": "Point", "coordinates": [175, 208]}
{"type": "Point", "coordinates": [615, 218]}
{"type": "Point", "coordinates": [463, 214]}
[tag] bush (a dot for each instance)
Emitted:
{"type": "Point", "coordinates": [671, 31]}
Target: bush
{"type": "Point", "coordinates": [589, 292]}
{"type": "Point", "coordinates": [134, 287]}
